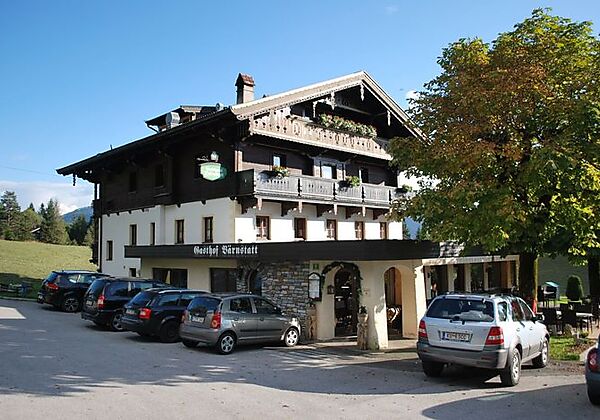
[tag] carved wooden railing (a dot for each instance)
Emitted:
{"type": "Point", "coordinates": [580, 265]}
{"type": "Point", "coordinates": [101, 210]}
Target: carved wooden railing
{"type": "Point", "coordinates": [302, 131]}
{"type": "Point", "coordinates": [313, 189]}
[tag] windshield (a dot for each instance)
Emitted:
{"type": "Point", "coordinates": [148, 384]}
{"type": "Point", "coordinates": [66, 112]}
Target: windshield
{"type": "Point", "coordinates": [476, 310]}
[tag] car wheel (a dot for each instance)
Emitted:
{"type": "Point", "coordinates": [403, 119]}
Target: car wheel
{"type": "Point", "coordinates": [432, 369]}
{"type": "Point", "coordinates": [115, 322]}
{"type": "Point", "coordinates": [593, 396]}
{"type": "Point", "coordinates": [291, 337]}
{"type": "Point", "coordinates": [189, 343]}
{"type": "Point", "coordinates": [542, 360]}
{"type": "Point", "coordinates": [226, 343]}
{"type": "Point", "coordinates": [70, 304]}
{"type": "Point", "coordinates": [511, 374]}
{"type": "Point", "coordinates": [169, 333]}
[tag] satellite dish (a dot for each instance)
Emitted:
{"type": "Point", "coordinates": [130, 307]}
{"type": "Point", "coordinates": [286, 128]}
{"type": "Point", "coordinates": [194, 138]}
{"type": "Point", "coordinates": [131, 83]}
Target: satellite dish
{"type": "Point", "coordinates": [172, 119]}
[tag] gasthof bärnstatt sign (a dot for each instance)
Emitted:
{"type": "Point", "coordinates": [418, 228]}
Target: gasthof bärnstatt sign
{"type": "Point", "coordinates": [226, 251]}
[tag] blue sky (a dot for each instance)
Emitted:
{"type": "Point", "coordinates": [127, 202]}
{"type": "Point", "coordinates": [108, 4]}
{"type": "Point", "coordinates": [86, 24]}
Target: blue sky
{"type": "Point", "coordinates": [79, 76]}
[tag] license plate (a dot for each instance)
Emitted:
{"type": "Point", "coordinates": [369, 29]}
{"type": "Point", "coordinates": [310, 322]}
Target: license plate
{"type": "Point", "coordinates": [130, 311]}
{"type": "Point", "coordinates": [456, 336]}
{"type": "Point", "coordinates": [197, 318]}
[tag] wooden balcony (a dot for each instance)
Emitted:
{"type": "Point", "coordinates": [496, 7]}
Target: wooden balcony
{"type": "Point", "coordinates": [312, 189]}
{"type": "Point", "coordinates": [306, 132]}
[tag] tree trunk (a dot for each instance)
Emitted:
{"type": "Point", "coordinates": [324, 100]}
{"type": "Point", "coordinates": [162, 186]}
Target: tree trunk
{"type": "Point", "coordinates": [528, 278]}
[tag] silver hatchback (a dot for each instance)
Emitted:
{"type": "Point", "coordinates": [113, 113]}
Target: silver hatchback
{"type": "Point", "coordinates": [226, 320]}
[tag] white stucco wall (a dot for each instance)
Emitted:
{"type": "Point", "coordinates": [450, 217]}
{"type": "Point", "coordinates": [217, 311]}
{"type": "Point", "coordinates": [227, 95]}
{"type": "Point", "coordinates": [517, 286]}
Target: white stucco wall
{"type": "Point", "coordinates": [198, 269]}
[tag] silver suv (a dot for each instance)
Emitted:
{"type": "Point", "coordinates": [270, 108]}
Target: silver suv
{"type": "Point", "coordinates": [488, 331]}
{"type": "Point", "coordinates": [226, 320]}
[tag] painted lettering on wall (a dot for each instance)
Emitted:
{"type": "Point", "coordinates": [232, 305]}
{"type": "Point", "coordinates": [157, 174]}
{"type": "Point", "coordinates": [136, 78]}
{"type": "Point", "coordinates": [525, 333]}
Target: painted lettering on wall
{"type": "Point", "coordinates": [226, 251]}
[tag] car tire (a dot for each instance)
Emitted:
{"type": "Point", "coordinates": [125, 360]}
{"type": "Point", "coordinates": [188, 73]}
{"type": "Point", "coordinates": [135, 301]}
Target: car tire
{"type": "Point", "coordinates": [542, 360]}
{"type": "Point", "coordinates": [593, 396]}
{"type": "Point", "coordinates": [115, 322]}
{"type": "Point", "coordinates": [433, 369]}
{"type": "Point", "coordinates": [169, 332]}
{"type": "Point", "coordinates": [511, 374]}
{"type": "Point", "coordinates": [70, 304]}
{"type": "Point", "coordinates": [226, 343]}
{"type": "Point", "coordinates": [291, 337]}
{"type": "Point", "coordinates": [189, 343]}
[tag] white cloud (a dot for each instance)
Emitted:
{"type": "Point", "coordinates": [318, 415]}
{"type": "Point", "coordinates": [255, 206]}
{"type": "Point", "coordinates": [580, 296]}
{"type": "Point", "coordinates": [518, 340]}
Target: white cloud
{"type": "Point", "coordinates": [411, 94]}
{"type": "Point", "coordinates": [38, 192]}
{"type": "Point", "coordinates": [392, 9]}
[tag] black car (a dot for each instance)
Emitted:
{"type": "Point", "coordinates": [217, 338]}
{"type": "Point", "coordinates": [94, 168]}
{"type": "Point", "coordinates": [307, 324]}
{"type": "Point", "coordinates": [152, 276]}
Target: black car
{"type": "Point", "coordinates": [65, 289]}
{"type": "Point", "coordinates": [158, 312]}
{"type": "Point", "coordinates": [104, 300]}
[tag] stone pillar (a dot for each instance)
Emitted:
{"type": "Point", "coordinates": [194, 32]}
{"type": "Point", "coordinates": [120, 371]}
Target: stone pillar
{"type": "Point", "coordinates": [373, 297]}
{"type": "Point", "coordinates": [467, 277]}
{"type": "Point", "coordinates": [414, 295]}
{"type": "Point", "coordinates": [451, 276]}
{"type": "Point", "coordinates": [486, 277]}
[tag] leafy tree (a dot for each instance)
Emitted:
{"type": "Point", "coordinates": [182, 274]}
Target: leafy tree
{"type": "Point", "coordinates": [53, 228]}
{"type": "Point", "coordinates": [29, 220]}
{"type": "Point", "coordinates": [574, 288]}
{"type": "Point", "coordinates": [90, 235]}
{"type": "Point", "coordinates": [509, 156]}
{"type": "Point", "coordinates": [10, 213]}
{"type": "Point", "coordinates": [78, 229]}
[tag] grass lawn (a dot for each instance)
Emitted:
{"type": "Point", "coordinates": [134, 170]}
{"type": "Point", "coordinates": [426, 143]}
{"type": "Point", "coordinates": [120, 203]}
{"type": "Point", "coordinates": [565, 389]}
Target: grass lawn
{"type": "Point", "coordinates": [33, 261]}
{"type": "Point", "coordinates": [565, 348]}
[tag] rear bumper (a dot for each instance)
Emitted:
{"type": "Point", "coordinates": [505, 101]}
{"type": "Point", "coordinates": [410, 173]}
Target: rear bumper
{"type": "Point", "coordinates": [136, 325]}
{"type": "Point", "coordinates": [489, 359]}
{"type": "Point", "coordinates": [202, 335]}
{"type": "Point", "coordinates": [102, 317]}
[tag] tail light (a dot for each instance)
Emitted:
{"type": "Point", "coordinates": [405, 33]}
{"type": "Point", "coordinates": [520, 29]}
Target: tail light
{"type": "Point", "coordinates": [423, 331]}
{"type": "Point", "coordinates": [52, 286]}
{"type": "Point", "coordinates": [100, 302]}
{"type": "Point", "coordinates": [215, 322]}
{"type": "Point", "coordinates": [495, 337]}
{"type": "Point", "coordinates": [184, 316]}
{"type": "Point", "coordinates": [592, 360]}
{"type": "Point", "coordinates": [145, 313]}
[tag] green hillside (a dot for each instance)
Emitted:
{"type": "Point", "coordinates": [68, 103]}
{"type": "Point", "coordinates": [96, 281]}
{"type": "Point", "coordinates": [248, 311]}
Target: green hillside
{"type": "Point", "coordinates": [559, 269]}
{"type": "Point", "coordinates": [32, 261]}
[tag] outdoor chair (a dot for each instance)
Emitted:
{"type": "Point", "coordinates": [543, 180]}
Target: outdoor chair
{"type": "Point", "coordinates": [568, 316]}
{"type": "Point", "coordinates": [551, 318]}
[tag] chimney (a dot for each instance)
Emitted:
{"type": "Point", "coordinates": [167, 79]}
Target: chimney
{"type": "Point", "coordinates": [245, 88]}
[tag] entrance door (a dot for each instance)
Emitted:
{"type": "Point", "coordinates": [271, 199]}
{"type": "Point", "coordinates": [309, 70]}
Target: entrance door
{"type": "Point", "coordinates": [346, 303]}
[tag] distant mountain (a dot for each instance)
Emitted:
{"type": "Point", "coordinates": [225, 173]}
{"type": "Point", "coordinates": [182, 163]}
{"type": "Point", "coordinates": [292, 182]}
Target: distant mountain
{"type": "Point", "coordinates": [85, 211]}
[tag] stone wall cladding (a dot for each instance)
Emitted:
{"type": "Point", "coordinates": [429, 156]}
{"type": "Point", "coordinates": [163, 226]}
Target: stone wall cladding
{"type": "Point", "coordinates": [286, 284]}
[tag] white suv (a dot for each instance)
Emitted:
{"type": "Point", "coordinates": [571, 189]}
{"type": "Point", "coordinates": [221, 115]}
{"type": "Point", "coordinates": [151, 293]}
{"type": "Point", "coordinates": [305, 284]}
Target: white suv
{"type": "Point", "coordinates": [488, 331]}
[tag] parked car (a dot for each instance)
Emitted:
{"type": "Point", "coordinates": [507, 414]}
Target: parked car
{"type": "Point", "coordinates": [65, 289]}
{"type": "Point", "coordinates": [592, 374]}
{"type": "Point", "coordinates": [158, 312]}
{"type": "Point", "coordinates": [103, 302]}
{"type": "Point", "coordinates": [497, 332]}
{"type": "Point", "coordinates": [226, 320]}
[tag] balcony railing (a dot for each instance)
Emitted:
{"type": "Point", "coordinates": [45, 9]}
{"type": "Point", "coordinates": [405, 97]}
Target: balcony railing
{"type": "Point", "coordinates": [314, 189]}
{"type": "Point", "coordinates": [306, 132]}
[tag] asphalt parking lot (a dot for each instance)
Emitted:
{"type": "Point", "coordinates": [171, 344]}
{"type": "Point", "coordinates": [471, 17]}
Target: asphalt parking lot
{"type": "Point", "coordinates": [55, 365]}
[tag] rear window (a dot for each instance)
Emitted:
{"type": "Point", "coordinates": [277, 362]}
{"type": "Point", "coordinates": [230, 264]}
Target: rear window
{"type": "Point", "coordinates": [204, 303]}
{"type": "Point", "coordinates": [96, 287]}
{"type": "Point", "coordinates": [51, 277]}
{"type": "Point", "coordinates": [462, 310]}
{"type": "Point", "coordinates": [143, 298]}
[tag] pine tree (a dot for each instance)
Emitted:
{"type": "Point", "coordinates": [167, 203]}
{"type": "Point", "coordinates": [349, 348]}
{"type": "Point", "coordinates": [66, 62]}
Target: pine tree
{"type": "Point", "coordinates": [53, 228]}
{"type": "Point", "coordinates": [78, 229]}
{"type": "Point", "coordinates": [29, 220]}
{"type": "Point", "coordinates": [10, 213]}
